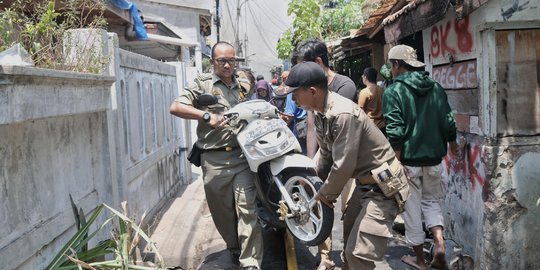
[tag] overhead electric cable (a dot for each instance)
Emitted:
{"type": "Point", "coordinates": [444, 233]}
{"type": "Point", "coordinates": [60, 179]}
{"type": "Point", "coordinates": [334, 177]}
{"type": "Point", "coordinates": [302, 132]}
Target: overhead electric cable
{"type": "Point", "coordinates": [272, 18]}
{"type": "Point", "coordinates": [263, 37]}
{"type": "Point", "coordinates": [231, 20]}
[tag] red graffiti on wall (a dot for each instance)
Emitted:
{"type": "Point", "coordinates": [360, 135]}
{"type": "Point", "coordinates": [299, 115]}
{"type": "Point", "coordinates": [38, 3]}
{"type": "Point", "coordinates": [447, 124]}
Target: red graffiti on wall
{"type": "Point", "coordinates": [458, 76]}
{"type": "Point", "coordinates": [451, 37]}
{"type": "Point", "coordinates": [469, 164]}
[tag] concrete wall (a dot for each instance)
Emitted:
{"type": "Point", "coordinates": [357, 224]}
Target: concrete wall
{"type": "Point", "coordinates": [488, 63]}
{"type": "Point", "coordinates": [53, 133]}
{"type": "Point", "coordinates": [101, 138]}
{"type": "Point", "coordinates": [152, 165]}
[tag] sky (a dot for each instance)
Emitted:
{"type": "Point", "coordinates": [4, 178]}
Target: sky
{"type": "Point", "coordinates": [261, 23]}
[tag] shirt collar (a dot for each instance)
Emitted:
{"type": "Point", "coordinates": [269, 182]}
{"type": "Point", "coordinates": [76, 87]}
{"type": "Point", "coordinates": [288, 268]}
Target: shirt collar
{"type": "Point", "coordinates": [329, 101]}
{"type": "Point", "coordinates": [216, 78]}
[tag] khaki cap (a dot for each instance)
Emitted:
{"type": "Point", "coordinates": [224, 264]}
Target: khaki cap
{"type": "Point", "coordinates": [405, 53]}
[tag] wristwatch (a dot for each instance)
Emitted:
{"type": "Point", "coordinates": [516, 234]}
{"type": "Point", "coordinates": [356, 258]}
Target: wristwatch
{"type": "Point", "coordinates": [206, 117]}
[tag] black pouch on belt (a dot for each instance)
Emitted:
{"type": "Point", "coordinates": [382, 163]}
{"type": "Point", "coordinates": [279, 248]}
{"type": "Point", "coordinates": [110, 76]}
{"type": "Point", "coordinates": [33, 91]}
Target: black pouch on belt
{"type": "Point", "coordinates": [194, 156]}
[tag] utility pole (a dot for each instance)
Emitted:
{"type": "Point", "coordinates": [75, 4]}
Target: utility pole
{"type": "Point", "coordinates": [237, 35]}
{"type": "Point", "coordinates": [237, 41]}
{"type": "Point", "coordinates": [216, 20]}
{"type": "Point", "coordinates": [246, 48]}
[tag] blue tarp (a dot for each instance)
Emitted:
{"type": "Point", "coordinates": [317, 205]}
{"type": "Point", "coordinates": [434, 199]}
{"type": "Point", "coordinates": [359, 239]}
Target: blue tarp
{"type": "Point", "coordinates": [140, 31]}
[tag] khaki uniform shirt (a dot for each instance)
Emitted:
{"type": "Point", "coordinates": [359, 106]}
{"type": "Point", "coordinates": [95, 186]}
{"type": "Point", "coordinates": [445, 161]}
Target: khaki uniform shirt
{"type": "Point", "coordinates": [228, 97]}
{"type": "Point", "coordinates": [350, 144]}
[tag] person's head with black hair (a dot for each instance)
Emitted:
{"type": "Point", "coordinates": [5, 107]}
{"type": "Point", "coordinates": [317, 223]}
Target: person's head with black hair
{"type": "Point", "coordinates": [260, 77]}
{"type": "Point", "coordinates": [369, 75]}
{"type": "Point", "coordinates": [224, 61]}
{"type": "Point", "coordinates": [312, 50]}
{"type": "Point", "coordinates": [294, 58]}
{"type": "Point", "coordinates": [218, 44]}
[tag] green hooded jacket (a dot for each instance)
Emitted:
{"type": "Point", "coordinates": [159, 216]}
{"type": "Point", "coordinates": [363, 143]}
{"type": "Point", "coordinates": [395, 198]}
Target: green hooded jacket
{"type": "Point", "coordinates": [419, 121]}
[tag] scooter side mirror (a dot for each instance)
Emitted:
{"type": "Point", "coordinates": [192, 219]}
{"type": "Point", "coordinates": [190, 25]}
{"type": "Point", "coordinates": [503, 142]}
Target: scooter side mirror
{"type": "Point", "coordinates": [207, 100]}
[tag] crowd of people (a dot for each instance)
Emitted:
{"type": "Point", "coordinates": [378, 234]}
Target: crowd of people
{"type": "Point", "coordinates": [391, 137]}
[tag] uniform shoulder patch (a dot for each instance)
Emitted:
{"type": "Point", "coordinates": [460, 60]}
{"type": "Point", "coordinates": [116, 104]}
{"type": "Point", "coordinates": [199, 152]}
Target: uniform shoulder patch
{"type": "Point", "coordinates": [204, 76]}
{"type": "Point", "coordinates": [204, 82]}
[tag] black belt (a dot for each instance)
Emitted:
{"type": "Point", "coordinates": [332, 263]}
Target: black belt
{"type": "Point", "coordinates": [371, 187]}
{"type": "Point", "coordinates": [226, 149]}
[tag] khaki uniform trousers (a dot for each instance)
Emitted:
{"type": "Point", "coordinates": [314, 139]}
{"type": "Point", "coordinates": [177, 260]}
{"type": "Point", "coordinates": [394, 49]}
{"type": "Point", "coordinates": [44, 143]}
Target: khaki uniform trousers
{"type": "Point", "coordinates": [367, 226]}
{"type": "Point", "coordinates": [231, 195]}
{"type": "Point", "coordinates": [325, 248]}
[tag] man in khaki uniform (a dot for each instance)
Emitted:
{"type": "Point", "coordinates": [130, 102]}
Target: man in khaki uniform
{"type": "Point", "coordinates": [315, 50]}
{"type": "Point", "coordinates": [351, 146]}
{"type": "Point", "coordinates": [228, 182]}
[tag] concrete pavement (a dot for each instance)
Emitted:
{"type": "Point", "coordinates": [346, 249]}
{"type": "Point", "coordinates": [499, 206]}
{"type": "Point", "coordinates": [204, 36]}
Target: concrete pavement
{"type": "Point", "coordinates": [186, 237]}
{"type": "Point", "coordinates": [185, 234]}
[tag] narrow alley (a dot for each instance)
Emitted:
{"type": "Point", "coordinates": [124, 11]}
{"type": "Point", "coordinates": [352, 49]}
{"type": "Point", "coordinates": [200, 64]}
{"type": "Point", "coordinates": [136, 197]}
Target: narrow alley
{"type": "Point", "coordinates": [102, 101]}
{"type": "Point", "coordinates": [187, 238]}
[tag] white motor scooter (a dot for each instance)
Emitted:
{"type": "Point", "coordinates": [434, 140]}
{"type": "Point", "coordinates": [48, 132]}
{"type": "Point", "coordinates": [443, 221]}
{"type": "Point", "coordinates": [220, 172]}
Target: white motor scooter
{"type": "Point", "coordinates": [286, 182]}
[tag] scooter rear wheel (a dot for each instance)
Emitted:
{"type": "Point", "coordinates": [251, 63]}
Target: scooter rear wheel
{"type": "Point", "coordinates": [313, 223]}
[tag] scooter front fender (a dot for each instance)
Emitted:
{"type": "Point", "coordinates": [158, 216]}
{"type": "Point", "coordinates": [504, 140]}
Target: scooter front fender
{"type": "Point", "coordinates": [293, 160]}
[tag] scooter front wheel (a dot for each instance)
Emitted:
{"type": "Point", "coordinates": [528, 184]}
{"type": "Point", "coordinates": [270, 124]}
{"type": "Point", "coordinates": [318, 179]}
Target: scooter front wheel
{"type": "Point", "coordinates": [312, 222]}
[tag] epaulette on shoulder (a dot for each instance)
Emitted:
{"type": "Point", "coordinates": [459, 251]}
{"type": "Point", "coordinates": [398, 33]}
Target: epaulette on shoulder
{"type": "Point", "coordinates": [204, 76]}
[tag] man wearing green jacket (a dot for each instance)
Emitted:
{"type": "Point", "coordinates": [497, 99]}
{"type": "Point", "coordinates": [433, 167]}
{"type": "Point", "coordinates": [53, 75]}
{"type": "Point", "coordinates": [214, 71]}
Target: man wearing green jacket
{"type": "Point", "coordinates": [419, 124]}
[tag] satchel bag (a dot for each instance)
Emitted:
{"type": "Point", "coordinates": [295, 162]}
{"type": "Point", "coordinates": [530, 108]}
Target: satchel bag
{"type": "Point", "coordinates": [393, 182]}
{"type": "Point", "coordinates": [194, 156]}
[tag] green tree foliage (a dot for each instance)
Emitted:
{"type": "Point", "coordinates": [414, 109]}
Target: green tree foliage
{"type": "Point", "coordinates": [336, 22]}
{"type": "Point", "coordinates": [305, 25]}
{"type": "Point", "coordinates": [312, 21]}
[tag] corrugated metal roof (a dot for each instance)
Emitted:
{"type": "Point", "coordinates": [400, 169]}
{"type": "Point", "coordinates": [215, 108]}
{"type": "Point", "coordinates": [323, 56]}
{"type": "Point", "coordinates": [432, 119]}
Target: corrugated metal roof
{"type": "Point", "coordinates": [358, 40]}
{"type": "Point", "coordinates": [415, 16]}
{"type": "Point", "coordinates": [378, 10]}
